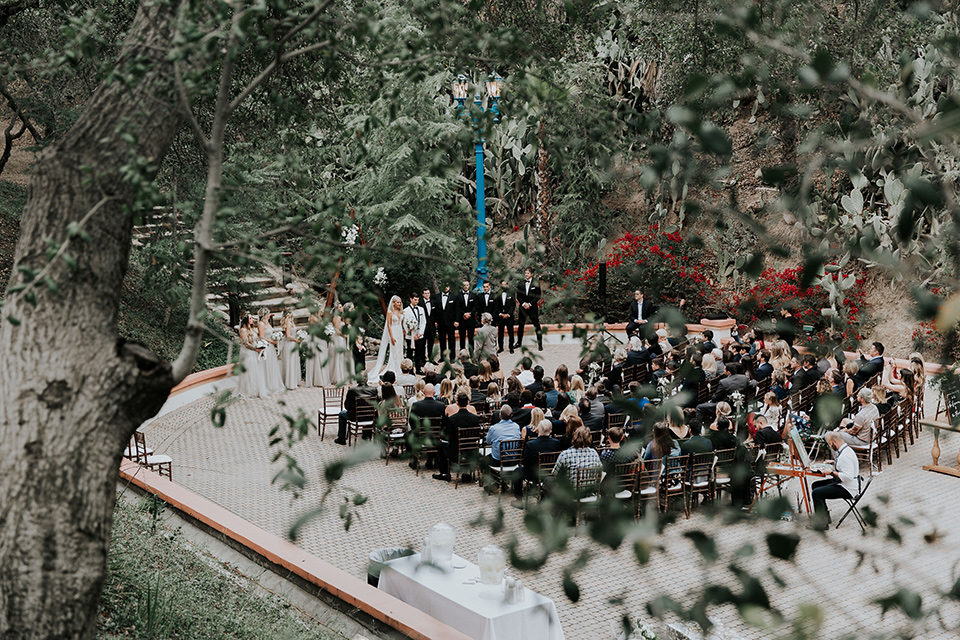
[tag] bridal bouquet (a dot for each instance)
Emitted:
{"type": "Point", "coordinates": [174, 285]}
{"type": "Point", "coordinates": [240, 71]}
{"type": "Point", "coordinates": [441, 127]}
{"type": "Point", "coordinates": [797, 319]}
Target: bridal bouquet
{"type": "Point", "coordinates": [330, 330]}
{"type": "Point", "coordinates": [410, 326]}
{"type": "Point", "coordinates": [302, 335]}
{"type": "Point", "coordinates": [277, 335]}
{"type": "Point", "coordinates": [261, 344]}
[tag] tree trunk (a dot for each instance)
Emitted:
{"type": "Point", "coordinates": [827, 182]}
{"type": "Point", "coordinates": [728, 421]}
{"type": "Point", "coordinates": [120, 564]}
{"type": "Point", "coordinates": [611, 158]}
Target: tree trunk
{"type": "Point", "coordinates": [72, 392]}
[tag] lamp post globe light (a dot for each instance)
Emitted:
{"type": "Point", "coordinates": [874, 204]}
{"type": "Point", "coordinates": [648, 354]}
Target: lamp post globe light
{"type": "Point", "coordinates": [461, 87]}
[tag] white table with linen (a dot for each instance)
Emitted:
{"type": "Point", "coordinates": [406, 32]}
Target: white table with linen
{"type": "Point", "coordinates": [457, 599]}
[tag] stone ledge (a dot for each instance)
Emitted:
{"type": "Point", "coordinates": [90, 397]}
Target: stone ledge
{"type": "Point", "coordinates": [353, 592]}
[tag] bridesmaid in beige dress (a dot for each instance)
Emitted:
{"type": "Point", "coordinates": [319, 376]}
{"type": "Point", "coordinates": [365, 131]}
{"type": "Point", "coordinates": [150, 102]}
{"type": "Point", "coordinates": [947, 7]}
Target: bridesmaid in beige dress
{"type": "Point", "coordinates": [271, 364]}
{"type": "Point", "coordinates": [316, 372]}
{"type": "Point", "coordinates": [251, 383]}
{"type": "Point", "coordinates": [289, 353]}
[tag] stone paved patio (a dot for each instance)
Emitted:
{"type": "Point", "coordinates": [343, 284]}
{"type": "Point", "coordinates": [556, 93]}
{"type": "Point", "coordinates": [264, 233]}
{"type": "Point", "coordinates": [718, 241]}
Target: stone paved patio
{"type": "Point", "coordinates": [231, 466]}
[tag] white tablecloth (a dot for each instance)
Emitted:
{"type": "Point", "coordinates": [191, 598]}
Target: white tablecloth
{"type": "Point", "coordinates": [476, 609]}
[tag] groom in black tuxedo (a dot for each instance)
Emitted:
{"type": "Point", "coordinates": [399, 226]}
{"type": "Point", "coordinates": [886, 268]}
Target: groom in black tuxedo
{"type": "Point", "coordinates": [465, 312]}
{"type": "Point", "coordinates": [446, 317]}
{"type": "Point", "coordinates": [640, 311]}
{"type": "Point", "coordinates": [429, 307]}
{"type": "Point", "coordinates": [528, 297]}
{"type": "Point", "coordinates": [503, 307]}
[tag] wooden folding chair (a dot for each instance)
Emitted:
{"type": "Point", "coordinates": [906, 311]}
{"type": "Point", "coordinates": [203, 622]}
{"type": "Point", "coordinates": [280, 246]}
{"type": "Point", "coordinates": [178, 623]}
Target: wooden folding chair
{"type": "Point", "coordinates": [648, 484]}
{"type": "Point", "coordinates": [545, 464]}
{"type": "Point", "coordinates": [365, 417]}
{"type": "Point", "coordinates": [871, 448]}
{"type": "Point", "coordinates": [586, 485]}
{"type": "Point", "coordinates": [162, 464]}
{"type": "Point", "coordinates": [672, 481]}
{"type": "Point", "coordinates": [330, 411]}
{"type": "Point", "coordinates": [428, 439]}
{"type": "Point", "coordinates": [511, 454]}
{"type": "Point", "coordinates": [626, 478]}
{"type": "Point", "coordinates": [721, 475]}
{"type": "Point", "coordinates": [700, 479]}
{"type": "Point", "coordinates": [395, 431]}
{"type": "Point", "coordinates": [467, 456]}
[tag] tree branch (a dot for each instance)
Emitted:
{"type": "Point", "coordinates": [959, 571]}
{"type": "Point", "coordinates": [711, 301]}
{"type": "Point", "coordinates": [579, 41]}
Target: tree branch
{"type": "Point", "coordinates": [187, 110]}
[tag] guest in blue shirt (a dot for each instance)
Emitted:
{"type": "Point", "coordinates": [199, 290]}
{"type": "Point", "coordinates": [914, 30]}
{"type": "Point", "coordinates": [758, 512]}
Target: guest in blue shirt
{"type": "Point", "coordinates": [506, 429]}
{"type": "Point", "coordinates": [550, 391]}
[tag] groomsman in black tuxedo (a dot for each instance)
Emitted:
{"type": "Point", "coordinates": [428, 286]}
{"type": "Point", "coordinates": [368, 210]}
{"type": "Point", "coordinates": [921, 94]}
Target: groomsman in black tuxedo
{"type": "Point", "coordinates": [640, 311]}
{"type": "Point", "coordinates": [465, 310]}
{"type": "Point", "coordinates": [503, 307]}
{"type": "Point", "coordinates": [528, 295]}
{"type": "Point", "coordinates": [430, 311]}
{"type": "Point", "coordinates": [485, 300]}
{"type": "Point", "coordinates": [446, 319]}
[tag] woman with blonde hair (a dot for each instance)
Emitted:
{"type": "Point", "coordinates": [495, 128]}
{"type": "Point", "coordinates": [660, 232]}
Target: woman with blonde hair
{"type": "Point", "coordinates": [391, 342]}
{"type": "Point", "coordinates": [530, 431]}
{"type": "Point", "coordinates": [485, 372]}
{"type": "Point", "coordinates": [709, 366]}
{"type": "Point", "coordinates": [417, 395]}
{"type": "Point", "coordinates": [918, 366]}
{"type": "Point", "coordinates": [445, 394]}
{"type": "Point", "coordinates": [577, 390]}
{"type": "Point", "coordinates": [780, 355]}
{"type": "Point", "coordinates": [493, 395]}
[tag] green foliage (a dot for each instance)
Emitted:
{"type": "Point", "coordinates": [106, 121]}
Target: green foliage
{"type": "Point", "coordinates": [159, 586]}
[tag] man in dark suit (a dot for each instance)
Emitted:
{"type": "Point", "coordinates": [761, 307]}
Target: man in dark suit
{"type": "Point", "coordinates": [446, 317]}
{"type": "Point", "coordinates": [735, 381]}
{"type": "Point", "coordinates": [640, 311]}
{"type": "Point", "coordinates": [430, 311]}
{"type": "Point", "coordinates": [359, 393]}
{"type": "Point", "coordinates": [696, 443]}
{"type": "Point", "coordinates": [504, 306]}
{"type": "Point", "coordinates": [465, 315]}
{"type": "Point", "coordinates": [528, 297]}
{"type": "Point", "coordinates": [462, 419]}
{"type": "Point", "coordinates": [808, 373]}
{"type": "Point", "coordinates": [425, 413]}
{"type": "Point", "coordinates": [530, 465]}
{"type": "Point", "coordinates": [636, 354]}
{"type": "Point", "coordinates": [764, 369]}
{"type": "Point", "coordinates": [537, 380]}
{"type": "Point", "coordinates": [871, 367]}
{"type": "Point", "coordinates": [485, 300]}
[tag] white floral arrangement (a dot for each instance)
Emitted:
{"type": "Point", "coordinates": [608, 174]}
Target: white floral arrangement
{"type": "Point", "coordinates": [737, 399]}
{"type": "Point", "coordinates": [330, 330]}
{"type": "Point", "coordinates": [261, 344]}
{"type": "Point", "coordinates": [639, 631]}
{"type": "Point", "coordinates": [663, 386]}
{"type": "Point", "coordinates": [302, 335]}
{"type": "Point", "coordinates": [380, 279]}
{"type": "Point", "coordinates": [410, 325]}
{"type": "Point", "coordinates": [277, 335]}
{"type": "Point", "coordinates": [350, 234]}
{"type": "Point", "coordinates": [594, 369]}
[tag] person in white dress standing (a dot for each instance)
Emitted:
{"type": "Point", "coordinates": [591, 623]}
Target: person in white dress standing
{"type": "Point", "coordinates": [251, 383]}
{"type": "Point", "coordinates": [316, 372]}
{"type": "Point", "coordinates": [270, 357]}
{"type": "Point", "coordinates": [391, 342]}
{"type": "Point", "coordinates": [290, 353]}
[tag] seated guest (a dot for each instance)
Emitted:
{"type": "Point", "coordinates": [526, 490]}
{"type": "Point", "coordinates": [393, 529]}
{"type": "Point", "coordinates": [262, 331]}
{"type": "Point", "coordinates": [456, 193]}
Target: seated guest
{"type": "Point", "coordinates": [839, 387]}
{"type": "Point", "coordinates": [360, 393]}
{"type": "Point", "coordinates": [493, 395]}
{"type": "Point", "coordinates": [577, 389]}
{"type": "Point", "coordinates": [708, 345]}
{"type": "Point", "coordinates": [476, 395]}
{"type": "Point", "coordinates": [406, 377]}
{"type": "Point", "coordinates": [537, 384]}
{"type": "Point", "coordinates": [568, 424]}
{"type": "Point", "coordinates": [736, 382]}
{"type": "Point", "coordinates": [901, 384]}
{"type": "Point", "coordinates": [636, 354]}
{"type": "Point", "coordinates": [389, 396]}
{"type": "Point", "coordinates": [808, 373]}
{"type": "Point", "coordinates": [536, 417]}
{"type": "Point", "coordinates": [678, 428]}
{"type": "Point", "coordinates": [614, 377]}
{"type": "Point", "coordinates": [580, 455]}
{"type": "Point", "coordinates": [526, 375]}
{"type": "Point", "coordinates": [529, 470]}
{"type": "Point", "coordinates": [663, 339]}
{"type": "Point", "coordinates": [591, 420]}
{"type": "Point", "coordinates": [764, 369]}
{"type": "Point", "coordinates": [721, 437]}
{"type": "Point", "coordinates": [450, 443]}
{"type": "Point", "coordinates": [709, 365]}
{"type": "Point", "coordinates": [495, 368]}
{"type": "Point", "coordinates": [522, 415]}
{"type": "Point", "coordinates": [596, 405]}
{"type": "Point", "coordinates": [880, 400]}
{"type": "Point", "coordinates": [696, 443]}
{"type": "Point", "coordinates": [779, 385]}
{"type": "Point", "coordinates": [506, 429]}
{"type": "Point", "coordinates": [770, 411]}
{"type": "Point", "coordinates": [616, 454]}
{"type": "Point", "coordinates": [662, 445]}
{"type": "Point", "coordinates": [841, 484]}
{"type": "Point", "coordinates": [869, 368]}
{"type": "Point", "coordinates": [445, 394]}
{"type": "Point", "coordinates": [766, 434]}
{"type": "Point", "coordinates": [417, 396]}
{"type": "Point", "coordinates": [430, 374]}
{"type": "Point", "coordinates": [718, 356]}
{"type": "Point", "coordinates": [485, 373]}
{"type": "Point", "coordinates": [856, 431]}
{"type": "Point", "coordinates": [454, 407]}
{"type": "Point", "coordinates": [551, 393]}
{"type": "Point", "coordinates": [850, 369]}
{"type": "Point", "coordinates": [602, 396]}
{"type": "Point", "coordinates": [469, 368]}
{"type": "Point", "coordinates": [658, 369]}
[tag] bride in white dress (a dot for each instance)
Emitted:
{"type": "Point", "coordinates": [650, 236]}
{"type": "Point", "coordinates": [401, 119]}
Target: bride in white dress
{"type": "Point", "coordinates": [392, 340]}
